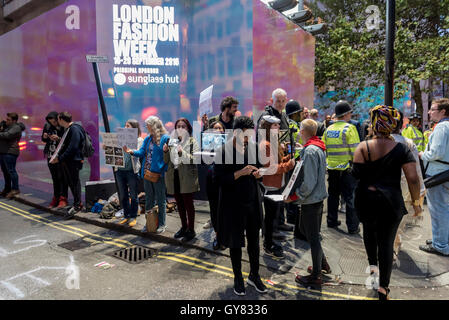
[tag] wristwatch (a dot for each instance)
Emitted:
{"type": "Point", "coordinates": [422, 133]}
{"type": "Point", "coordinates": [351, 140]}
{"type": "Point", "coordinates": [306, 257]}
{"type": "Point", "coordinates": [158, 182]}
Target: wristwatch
{"type": "Point", "coordinates": [416, 203]}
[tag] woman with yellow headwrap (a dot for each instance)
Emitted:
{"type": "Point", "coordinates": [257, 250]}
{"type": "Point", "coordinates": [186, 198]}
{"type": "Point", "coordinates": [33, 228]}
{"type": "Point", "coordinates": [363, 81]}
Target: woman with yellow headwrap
{"type": "Point", "coordinates": [378, 198]}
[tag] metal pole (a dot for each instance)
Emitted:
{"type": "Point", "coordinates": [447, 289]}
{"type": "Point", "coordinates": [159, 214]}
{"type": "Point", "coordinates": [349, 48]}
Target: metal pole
{"type": "Point", "coordinates": [105, 117]}
{"type": "Point", "coordinates": [389, 59]}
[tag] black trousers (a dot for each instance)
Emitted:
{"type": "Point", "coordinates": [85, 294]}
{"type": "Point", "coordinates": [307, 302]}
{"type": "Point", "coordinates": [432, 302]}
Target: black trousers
{"type": "Point", "coordinates": [252, 237]}
{"type": "Point", "coordinates": [271, 212]}
{"type": "Point", "coordinates": [341, 182]}
{"type": "Point", "coordinates": [380, 225]}
{"type": "Point", "coordinates": [60, 187]}
{"type": "Point", "coordinates": [212, 190]}
{"type": "Point", "coordinates": [310, 225]}
{"type": "Point", "coordinates": [71, 171]}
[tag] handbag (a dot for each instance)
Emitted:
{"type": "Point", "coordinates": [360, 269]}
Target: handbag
{"type": "Point", "coordinates": [151, 176]}
{"type": "Point", "coordinates": [152, 219]}
{"type": "Point", "coordinates": [437, 179]}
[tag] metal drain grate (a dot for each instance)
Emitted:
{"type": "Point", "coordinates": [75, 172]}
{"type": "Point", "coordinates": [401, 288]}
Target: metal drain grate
{"type": "Point", "coordinates": [135, 254]}
{"type": "Point", "coordinates": [77, 244]}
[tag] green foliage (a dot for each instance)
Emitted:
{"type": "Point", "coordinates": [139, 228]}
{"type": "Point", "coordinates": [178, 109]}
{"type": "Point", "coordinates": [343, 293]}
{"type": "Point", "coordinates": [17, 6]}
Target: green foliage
{"type": "Point", "coordinates": [351, 57]}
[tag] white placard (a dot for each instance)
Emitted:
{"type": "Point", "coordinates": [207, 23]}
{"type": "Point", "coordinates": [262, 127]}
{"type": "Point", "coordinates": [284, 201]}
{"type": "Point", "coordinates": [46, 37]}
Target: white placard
{"type": "Point", "coordinates": [206, 101]}
{"type": "Point", "coordinates": [114, 153]}
{"type": "Point", "coordinates": [288, 188]}
{"type": "Point", "coordinates": [58, 148]}
{"type": "Point", "coordinates": [127, 137]}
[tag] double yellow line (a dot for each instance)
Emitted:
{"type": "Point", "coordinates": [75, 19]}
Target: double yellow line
{"type": "Point", "coordinates": [176, 257]}
{"type": "Point", "coordinates": [86, 235]}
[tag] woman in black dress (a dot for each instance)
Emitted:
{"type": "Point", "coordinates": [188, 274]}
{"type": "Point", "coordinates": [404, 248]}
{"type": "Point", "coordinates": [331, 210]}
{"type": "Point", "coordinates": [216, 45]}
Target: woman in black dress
{"type": "Point", "coordinates": [240, 202]}
{"type": "Point", "coordinates": [378, 197]}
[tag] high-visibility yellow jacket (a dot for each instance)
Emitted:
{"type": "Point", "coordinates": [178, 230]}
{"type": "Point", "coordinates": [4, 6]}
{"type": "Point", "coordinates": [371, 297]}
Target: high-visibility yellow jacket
{"type": "Point", "coordinates": [416, 135]}
{"type": "Point", "coordinates": [427, 134]}
{"type": "Point", "coordinates": [296, 136]}
{"type": "Point", "coordinates": [341, 139]}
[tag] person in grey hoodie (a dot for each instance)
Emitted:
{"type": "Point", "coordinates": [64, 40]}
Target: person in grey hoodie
{"type": "Point", "coordinates": [9, 152]}
{"type": "Point", "coordinates": [310, 193]}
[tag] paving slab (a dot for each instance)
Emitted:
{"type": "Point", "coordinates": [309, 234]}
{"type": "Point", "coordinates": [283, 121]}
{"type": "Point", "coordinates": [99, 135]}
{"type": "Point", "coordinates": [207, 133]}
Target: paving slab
{"type": "Point", "coordinates": [346, 253]}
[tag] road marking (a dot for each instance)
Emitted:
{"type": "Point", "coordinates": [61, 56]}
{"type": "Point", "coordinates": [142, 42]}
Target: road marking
{"type": "Point", "coordinates": [64, 227]}
{"type": "Point", "coordinates": [171, 256]}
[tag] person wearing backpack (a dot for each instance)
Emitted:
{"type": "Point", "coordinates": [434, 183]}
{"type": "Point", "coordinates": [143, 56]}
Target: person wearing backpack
{"type": "Point", "coordinates": [71, 158]}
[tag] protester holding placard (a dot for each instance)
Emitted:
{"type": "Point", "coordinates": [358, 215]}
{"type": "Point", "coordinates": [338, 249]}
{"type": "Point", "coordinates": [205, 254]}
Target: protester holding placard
{"type": "Point", "coordinates": [128, 180]}
{"type": "Point", "coordinates": [273, 180]}
{"type": "Point", "coordinates": [181, 178]}
{"type": "Point", "coordinates": [228, 107]}
{"type": "Point", "coordinates": [153, 168]}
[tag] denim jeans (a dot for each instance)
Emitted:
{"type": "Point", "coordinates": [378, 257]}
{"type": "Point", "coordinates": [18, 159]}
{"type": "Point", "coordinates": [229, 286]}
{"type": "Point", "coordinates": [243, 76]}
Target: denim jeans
{"type": "Point", "coordinates": [155, 194]}
{"type": "Point", "coordinates": [342, 182]}
{"type": "Point", "coordinates": [128, 180]}
{"type": "Point", "coordinates": [438, 202]}
{"type": "Point", "coordinates": [8, 165]}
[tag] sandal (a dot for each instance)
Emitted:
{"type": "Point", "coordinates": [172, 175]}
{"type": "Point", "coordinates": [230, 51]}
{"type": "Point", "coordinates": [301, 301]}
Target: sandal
{"type": "Point", "coordinates": [383, 296]}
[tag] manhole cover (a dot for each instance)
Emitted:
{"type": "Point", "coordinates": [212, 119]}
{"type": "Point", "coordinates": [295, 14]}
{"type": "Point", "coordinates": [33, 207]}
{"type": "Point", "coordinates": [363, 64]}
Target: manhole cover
{"type": "Point", "coordinates": [135, 254]}
{"type": "Point", "coordinates": [76, 244]}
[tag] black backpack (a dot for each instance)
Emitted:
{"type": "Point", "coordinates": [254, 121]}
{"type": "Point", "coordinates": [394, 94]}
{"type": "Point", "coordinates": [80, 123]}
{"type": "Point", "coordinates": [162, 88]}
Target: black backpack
{"type": "Point", "coordinates": [88, 149]}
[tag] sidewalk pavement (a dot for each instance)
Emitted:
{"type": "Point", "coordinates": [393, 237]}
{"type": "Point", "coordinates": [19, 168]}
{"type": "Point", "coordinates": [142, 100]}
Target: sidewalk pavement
{"type": "Point", "coordinates": [346, 253]}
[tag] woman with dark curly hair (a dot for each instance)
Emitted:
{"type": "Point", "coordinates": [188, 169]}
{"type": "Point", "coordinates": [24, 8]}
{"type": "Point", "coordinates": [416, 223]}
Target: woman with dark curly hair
{"type": "Point", "coordinates": [378, 197]}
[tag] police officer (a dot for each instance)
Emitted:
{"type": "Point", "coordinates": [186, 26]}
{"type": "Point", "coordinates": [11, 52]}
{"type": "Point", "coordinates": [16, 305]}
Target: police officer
{"type": "Point", "coordinates": [295, 115]}
{"type": "Point", "coordinates": [412, 132]}
{"type": "Point", "coordinates": [341, 139]}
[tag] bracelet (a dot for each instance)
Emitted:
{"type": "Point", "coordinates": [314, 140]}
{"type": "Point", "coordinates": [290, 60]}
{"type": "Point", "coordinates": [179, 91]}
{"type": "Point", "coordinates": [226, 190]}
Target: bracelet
{"type": "Point", "coordinates": [416, 202]}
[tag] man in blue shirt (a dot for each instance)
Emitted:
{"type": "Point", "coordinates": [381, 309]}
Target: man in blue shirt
{"type": "Point", "coordinates": [436, 160]}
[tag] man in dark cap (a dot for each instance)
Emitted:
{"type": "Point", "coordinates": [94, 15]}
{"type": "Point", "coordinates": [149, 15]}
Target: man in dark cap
{"type": "Point", "coordinates": [51, 135]}
{"type": "Point", "coordinates": [341, 139]}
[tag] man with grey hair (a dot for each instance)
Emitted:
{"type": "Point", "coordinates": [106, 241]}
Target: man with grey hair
{"type": "Point", "coordinates": [278, 102]}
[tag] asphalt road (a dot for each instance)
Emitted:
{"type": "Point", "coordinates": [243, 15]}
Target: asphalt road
{"type": "Point", "coordinates": [34, 265]}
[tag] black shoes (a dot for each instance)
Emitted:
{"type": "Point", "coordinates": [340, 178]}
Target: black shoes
{"type": "Point", "coordinates": [217, 246]}
{"type": "Point", "coordinates": [279, 236]}
{"type": "Point", "coordinates": [180, 233]}
{"type": "Point", "coordinates": [285, 227]}
{"type": "Point", "coordinates": [309, 280]}
{"type": "Point", "coordinates": [334, 225]}
{"type": "Point", "coordinates": [357, 231]}
{"type": "Point", "coordinates": [239, 287]}
{"type": "Point", "coordinates": [300, 236]}
{"type": "Point", "coordinates": [430, 249]}
{"type": "Point", "coordinates": [257, 283]}
{"type": "Point", "coordinates": [383, 296]}
{"type": "Point", "coordinates": [189, 235]}
{"type": "Point", "coordinates": [429, 241]}
{"type": "Point", "coordinates": [274, 251]}
{"type": "Point", "coordinates": [325, 268]}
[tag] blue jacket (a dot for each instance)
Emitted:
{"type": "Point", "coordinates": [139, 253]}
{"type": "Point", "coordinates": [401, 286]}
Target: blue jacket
{"type": "Point", "coordinates": [157, 161]}
{"type": "Point", "coordinates": [73, 143]}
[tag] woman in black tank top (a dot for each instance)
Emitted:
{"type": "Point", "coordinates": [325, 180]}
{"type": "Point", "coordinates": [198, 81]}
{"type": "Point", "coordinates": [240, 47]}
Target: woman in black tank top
{"type": "Point", "coordinates": [378, 197]}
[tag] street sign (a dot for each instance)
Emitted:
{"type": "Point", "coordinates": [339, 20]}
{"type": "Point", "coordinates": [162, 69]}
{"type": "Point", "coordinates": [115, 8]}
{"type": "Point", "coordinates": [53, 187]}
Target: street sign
{"type": "Point", "coordinates": [98, 59]}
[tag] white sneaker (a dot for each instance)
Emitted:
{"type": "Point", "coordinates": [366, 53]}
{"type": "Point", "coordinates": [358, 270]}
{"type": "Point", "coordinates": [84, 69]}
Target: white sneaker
{"type": "Point", "coordinates": [372, 282]}
{"type": "Point", "coordinates": [161, 229]}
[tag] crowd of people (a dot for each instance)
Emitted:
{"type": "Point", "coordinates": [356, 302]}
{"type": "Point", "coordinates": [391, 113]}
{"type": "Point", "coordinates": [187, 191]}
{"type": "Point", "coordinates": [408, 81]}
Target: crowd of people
{"type": "Point", "coordinates": [374, 169]}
